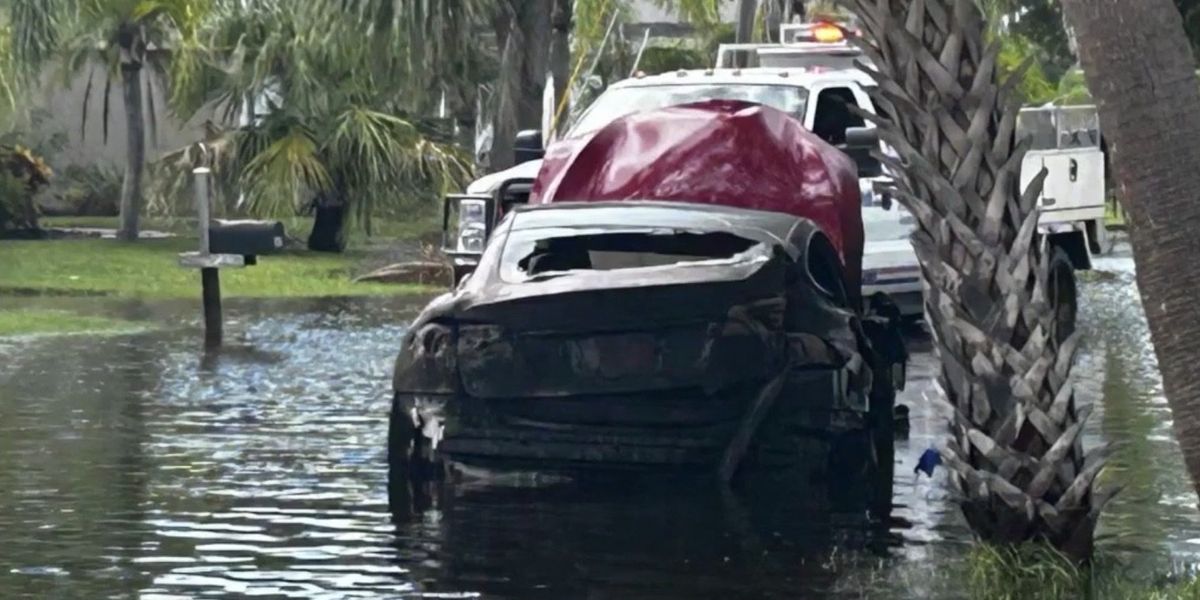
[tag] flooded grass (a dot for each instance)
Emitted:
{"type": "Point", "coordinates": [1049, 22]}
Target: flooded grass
{"type": "Point", "coordinates": [1037, 572]}
{"type": "Point", "coordinates": [33, 321]}
{"type": "Point", "coordinates": [149, 269]}
{"type": "Point", "coordinates": [418, 224]}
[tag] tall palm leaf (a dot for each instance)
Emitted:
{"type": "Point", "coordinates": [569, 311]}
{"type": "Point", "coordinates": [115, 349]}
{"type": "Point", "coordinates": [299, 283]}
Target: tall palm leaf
{"type": "Point", "coordinates": [125, 42]}
{"type": "Point", "coordinates": [328, 125]}
{"type": "Point", "coordinates": [1016, 453]}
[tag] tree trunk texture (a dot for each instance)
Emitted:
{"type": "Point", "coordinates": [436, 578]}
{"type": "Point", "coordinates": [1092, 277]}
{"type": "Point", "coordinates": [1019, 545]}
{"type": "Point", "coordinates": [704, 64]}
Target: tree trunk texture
{"type": "Point", "coordinates": [1141, 71]}
{"type": "Point", "coordinates": [135, 150]}
{"type": "Point", "coordinates": [504, 127]}
{"type": "Point", "coordinates": [533, 19]}
{"type": "Point", "coordinates": [523, 31]}
{"type": "Point", "coordinates": [1015, 452]}
{"type": "Point", "coordinates": [560, 51]}
{"type": "Point", "coordinates": [747, 10]}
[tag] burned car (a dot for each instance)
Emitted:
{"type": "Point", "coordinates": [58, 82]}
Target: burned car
{"type": "Point", "coordinates": [639, 334]}
{"type": "Point", "coordinates": [631, 317]}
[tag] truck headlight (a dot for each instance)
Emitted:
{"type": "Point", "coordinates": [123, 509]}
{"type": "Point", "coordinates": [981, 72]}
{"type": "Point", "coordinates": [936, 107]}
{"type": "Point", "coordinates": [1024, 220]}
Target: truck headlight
{"type": "Point", "coordinates": [472, 225]}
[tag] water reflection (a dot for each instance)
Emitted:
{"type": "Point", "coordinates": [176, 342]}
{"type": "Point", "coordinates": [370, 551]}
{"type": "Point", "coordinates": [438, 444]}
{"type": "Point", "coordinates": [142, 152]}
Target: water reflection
{"type": "Point", "coordinates": [142, 466]}
{"type": "Point", "coordinates": [1155, 514]}
{"type": "Point", "coordinates": [638, 539]}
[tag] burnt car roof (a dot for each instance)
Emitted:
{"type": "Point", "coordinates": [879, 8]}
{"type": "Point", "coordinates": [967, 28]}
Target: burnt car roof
{"type": "Point", "coordinates": [623, 213]}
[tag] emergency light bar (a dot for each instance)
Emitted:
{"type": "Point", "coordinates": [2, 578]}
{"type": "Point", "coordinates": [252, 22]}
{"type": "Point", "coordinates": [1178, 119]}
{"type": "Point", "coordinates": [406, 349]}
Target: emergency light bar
{"type": "Point", "coordinates": [814, 45]}
{"type": "Point", "coordinates": [820, 32]}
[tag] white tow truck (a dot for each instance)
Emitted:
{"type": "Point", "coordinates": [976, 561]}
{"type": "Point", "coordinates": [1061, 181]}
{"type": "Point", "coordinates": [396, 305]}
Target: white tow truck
{"type": "Point", "coordinates": [812, 75]}
{"type": "Point", "coordinates": [1065, 140]}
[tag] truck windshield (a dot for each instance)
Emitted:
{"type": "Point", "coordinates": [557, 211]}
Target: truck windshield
{"type": "Point", "coordinates": [617, 103]}
{"type": "Point", "coordinates": [887, 225]}
{"type": "Point", "coordinates": [1060, 128]}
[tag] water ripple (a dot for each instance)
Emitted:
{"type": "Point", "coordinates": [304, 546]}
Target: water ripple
{"type": "Point", "coordinates": [141, 466]}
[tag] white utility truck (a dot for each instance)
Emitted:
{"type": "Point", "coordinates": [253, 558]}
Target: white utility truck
{"type": "Point", "coordinates": [1066, 141]}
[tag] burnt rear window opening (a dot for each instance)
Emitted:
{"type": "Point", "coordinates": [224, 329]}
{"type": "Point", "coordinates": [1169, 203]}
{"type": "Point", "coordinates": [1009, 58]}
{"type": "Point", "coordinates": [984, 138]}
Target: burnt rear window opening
{"type": "Point", "coordinates": [617, 250]}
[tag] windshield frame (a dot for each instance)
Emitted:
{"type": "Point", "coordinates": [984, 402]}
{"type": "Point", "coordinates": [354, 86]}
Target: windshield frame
{"type": "Point", "coordinates": [575, 128]}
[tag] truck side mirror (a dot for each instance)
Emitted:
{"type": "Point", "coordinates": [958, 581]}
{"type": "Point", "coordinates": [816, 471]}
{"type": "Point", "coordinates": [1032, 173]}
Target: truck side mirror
{"type": "Point", "coordinates": [467, 223]}
{"type": "Point", "coordinates": [528, 146]}
{"type": "Point", "coordinates": [860, 142]}
{"type": "Point", "coordinates": [862, 138]}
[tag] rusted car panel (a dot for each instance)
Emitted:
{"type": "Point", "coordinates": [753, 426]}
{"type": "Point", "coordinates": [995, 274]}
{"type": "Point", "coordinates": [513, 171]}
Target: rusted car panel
{"type": "Point", "coordinates": [641, 342]}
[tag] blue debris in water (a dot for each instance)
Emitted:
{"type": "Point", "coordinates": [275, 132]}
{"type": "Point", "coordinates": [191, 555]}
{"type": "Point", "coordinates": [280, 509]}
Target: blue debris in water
{"type": "Point", "coordinates": [930, 460]}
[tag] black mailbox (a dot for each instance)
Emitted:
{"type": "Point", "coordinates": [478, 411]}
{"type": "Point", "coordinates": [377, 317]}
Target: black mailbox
{"type": "Point", "coordinates": [248, 238]}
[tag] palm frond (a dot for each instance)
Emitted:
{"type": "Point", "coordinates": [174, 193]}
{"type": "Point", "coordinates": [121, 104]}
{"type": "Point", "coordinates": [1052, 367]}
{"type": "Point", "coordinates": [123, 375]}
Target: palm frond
{"type": "Point", "coordinates": [285, 168]}
{"type": "Point", "coordinates": [37, 27]}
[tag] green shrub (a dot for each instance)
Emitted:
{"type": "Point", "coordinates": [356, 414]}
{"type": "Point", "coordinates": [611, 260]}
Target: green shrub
{"type": "Point", "coordinates": [91, 191]}
{"type": "Point", "coordinates": [12, 201]}
{"type": "Point", "coordinates": [22, 175]}
{"type": "Point", "coordinates": [662, 59]}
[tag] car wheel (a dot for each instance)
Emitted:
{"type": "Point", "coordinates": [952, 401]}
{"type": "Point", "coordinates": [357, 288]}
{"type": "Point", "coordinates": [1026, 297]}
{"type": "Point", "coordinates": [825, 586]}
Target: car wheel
{"type": "Point", "coordinates": [1063, 294]}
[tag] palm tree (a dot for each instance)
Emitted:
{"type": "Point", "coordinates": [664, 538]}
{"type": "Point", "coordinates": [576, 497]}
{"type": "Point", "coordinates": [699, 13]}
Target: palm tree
{"type": "Point", "coordinates": [1015, 454]}
{"type": "Point", "coordinates": [1142, 72]}
{"type": "Point", "coordinates": [331, 128]}
{"type": "Point", "coordinates": [122, 41]}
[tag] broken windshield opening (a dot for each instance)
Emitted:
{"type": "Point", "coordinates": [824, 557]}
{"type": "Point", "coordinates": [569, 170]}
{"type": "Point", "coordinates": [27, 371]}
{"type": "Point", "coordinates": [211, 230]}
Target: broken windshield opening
{"type": "Point", "coordinates": [537, 252]}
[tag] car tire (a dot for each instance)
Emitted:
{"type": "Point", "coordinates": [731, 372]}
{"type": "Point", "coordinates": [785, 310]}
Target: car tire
{"type": "Point", "coordinates": [1063, 294]}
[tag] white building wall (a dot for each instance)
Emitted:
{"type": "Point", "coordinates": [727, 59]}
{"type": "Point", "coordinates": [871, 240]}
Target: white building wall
{"type": "Point", "coordinates": [648, 11]}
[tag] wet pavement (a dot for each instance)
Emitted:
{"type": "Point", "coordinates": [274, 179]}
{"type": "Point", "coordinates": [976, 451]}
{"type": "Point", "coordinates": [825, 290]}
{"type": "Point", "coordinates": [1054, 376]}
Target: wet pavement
{"type": "Point", "coordinates": [139, 466]}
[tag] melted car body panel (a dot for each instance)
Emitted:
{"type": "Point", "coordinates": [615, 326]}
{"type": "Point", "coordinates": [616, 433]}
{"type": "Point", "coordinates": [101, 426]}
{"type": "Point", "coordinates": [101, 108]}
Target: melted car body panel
{"type": "Point", "coordinates": [719, 152]}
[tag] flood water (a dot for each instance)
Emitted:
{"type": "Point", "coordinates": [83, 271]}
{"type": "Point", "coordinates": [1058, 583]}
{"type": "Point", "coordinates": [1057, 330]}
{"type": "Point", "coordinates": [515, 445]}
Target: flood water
{"type": "Point", "coordinates": [138, 466]}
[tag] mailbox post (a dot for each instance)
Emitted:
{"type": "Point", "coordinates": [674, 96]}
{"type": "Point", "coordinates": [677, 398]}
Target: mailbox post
{"type": "Point", "coordinates": [224, 244]}
{"type": "Point", "coordinates": [209, 264]}
{"type": "Point", "coordinates": [210, 277]}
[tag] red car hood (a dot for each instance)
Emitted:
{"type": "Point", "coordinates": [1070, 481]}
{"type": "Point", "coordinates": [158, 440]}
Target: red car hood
{"type": "Point", "coordinates": [720, 152]}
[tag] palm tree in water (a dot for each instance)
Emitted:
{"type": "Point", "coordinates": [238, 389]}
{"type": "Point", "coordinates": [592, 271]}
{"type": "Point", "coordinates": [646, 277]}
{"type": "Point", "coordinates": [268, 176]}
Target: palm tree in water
{"type": "Point", "coordinates": [1015, 451]}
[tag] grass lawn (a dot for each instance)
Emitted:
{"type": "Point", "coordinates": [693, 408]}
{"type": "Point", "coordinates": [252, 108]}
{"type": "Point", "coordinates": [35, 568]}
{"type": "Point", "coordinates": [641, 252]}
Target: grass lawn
{"type": "Point", "coordinates": [25, 321]}
{"type": "Point", "coordinates": [422, 224]}
{"type": "Point", "coordinates": [149, 269]}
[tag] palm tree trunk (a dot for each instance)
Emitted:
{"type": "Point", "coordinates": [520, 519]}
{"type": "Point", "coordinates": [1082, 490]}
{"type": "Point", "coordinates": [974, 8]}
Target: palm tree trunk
{"type": "Point", "coordinates": [1141, 70]}
{"type": "Point", "coordinates": [1015, 454]}
{"type": "Point", "coordinates": [504, 128]}
{"type": "Point", "coordinates": [560, 49]}
{"type": "Point", "coordinates": [533, 19]}
{"type": "Point", "coordinates": [747, 9]}
{"type": "Point", "coordinates": [523, 31]}
{"type": "Point", "coordinates": [135, 151]}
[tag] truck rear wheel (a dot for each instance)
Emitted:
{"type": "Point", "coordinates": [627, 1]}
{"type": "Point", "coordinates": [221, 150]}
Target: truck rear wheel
{"type": "Point", "coordinates": [1063, 294]}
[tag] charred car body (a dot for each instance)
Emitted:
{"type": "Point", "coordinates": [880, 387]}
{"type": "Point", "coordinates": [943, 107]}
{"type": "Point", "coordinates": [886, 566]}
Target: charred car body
{"type": "Point", "coordinates": [682, 290]}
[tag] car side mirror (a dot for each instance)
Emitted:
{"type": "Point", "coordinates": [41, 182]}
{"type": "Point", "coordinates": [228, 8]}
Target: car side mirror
{"type": "Point", "coordinates": [528, 146]}
{"type": "Point", "coordinates": [467, 222]}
